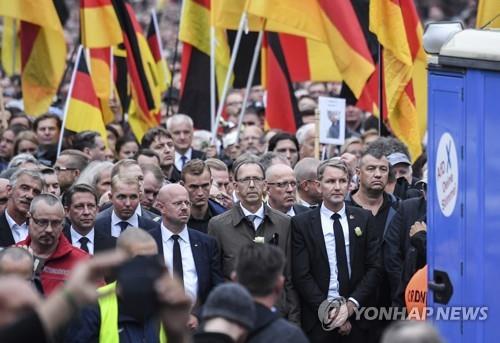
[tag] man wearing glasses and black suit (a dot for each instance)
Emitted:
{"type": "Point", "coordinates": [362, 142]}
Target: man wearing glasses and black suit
{"type": "Point", "coordinates": [252, 221]}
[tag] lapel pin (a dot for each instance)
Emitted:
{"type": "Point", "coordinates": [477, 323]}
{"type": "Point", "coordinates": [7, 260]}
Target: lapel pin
{"type": "Point", "coordinates": [259, 240]}
{"type": "Point", "coordinates": [351, 216]}
{"type": "Point", "coordinates": [358, 231]}
{"type": "Point", "coordinates": [195, 244]}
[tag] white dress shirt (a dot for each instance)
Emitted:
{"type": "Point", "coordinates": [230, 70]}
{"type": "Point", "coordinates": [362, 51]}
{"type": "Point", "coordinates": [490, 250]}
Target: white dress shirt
{"type": "Point", "coordinates": [116, 229]}
{"type": "Point", "coordinates": [190, 276]}
{"type": "Point", "coordinates": [19, 232]}
{"type": "Point", "coordinates": [327, 226]}
{"type": "Point", "coordinates": [75, 239]}
{"type": "Point", "coordinates": [178, 159]}
{"type": "Point", "coordinates": [260, 215]}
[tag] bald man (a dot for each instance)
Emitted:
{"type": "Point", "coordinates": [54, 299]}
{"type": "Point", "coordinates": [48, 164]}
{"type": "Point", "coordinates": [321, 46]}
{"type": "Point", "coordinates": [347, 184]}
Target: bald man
{"type": "Point", "coordinates": [306, 172]}
{"type": "Point", "coordinates": [281, 188]}
{"type": "Point", "coordinates": [192, 255]}
{"type": "Point", "coordinates": [137, 242]}
{"type": "Point", "coordinates": [16, 261]}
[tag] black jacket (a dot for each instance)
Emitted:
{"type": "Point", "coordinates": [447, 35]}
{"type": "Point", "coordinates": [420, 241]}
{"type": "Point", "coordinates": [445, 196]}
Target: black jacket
{"type": "Point", "coordinates": [6, 237]}
{"type": "Point", "coordinates": [311, 268]}
{"type": "Point", "coordinates": [103, 222]}
{"type": "Point", "coordinates": [396, 243]}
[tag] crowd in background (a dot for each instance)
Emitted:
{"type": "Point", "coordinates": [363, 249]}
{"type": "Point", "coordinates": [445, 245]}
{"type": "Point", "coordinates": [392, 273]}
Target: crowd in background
{"type": "Point", "coordinates": [258, 229]}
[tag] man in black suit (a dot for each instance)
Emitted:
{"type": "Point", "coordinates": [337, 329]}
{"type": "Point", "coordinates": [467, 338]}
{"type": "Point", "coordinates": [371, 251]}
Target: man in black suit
{"type": "Point", "coordinates": [23, 187]}
{"type": "Point", "coordinates": [125, 197]}
{"type": "Point", "coordinates": [190, 254]}
{"type": "Point", "coordinates": [281, 187]}
{"type": "Point", "coordinates": [335, 252]}
{"type": "Point", "coordinates": [80, 204]}
{"type": "Point", "coordinates": [180, 126]}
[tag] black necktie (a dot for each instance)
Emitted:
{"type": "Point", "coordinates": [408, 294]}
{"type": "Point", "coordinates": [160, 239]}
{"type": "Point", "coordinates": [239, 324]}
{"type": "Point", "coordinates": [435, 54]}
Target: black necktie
{"type": "Point", "coordinates": [183, 161]}
{"type": "Point", "coordinates": [177, 258]}
{"type": "Point", "coordinates": [343, 271]}
{"type": "Point", "coordinates": [83, 244]}
{"type": "Point", "coordinates": [123, 225]}
{"type": "Point", "coordinates": [251, 218]}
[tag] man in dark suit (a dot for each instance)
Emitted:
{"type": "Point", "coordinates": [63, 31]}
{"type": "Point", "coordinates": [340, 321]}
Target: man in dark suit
{"type": "Point", "coordinates": [24, 186]}
{"type": "Point", "coordinates": [335, 253]}
{"type": "Point", "coordinates": [125, 197]}
{"type": "Point", "coordinates": [190, 254]}
{"type": "Point", "coordinates": [180, 126]}
{"type": "Point", "coordinates": [281, 186]}
{"type": "Point", "coordinates": [80, 204]}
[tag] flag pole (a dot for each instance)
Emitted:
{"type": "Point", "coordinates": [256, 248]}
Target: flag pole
{"type": "Point", "coordinates": [174, 59]}
{"type": "Point", "coordinates": [68, 97]}
{"type": "Point", "coordinates": [316, 134]}
{"type": "Point", "coordinates": [14, 44]}
{"type": "Point", "coordinates": [213, 88]}
{"type": "Point", "coordinates": [251, 75]}
{"type": "Point", "coordinates": [225, 89]}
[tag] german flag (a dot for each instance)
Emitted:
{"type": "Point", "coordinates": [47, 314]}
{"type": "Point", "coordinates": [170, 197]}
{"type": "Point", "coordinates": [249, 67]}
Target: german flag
{"type": "Point", "coordinates": [43, 50]}
{"type": "Point", "coordinates": [120, 76]}
{"type": "Point", "coordinates": [399, 31]}
{"type": "Point", "coordinates": [282, 111]}
{"type": "Point", "coordinates": [83, 110]}
{"type": "Point", "coordinates": [140, 64]}
{"type": "Point", "coordinates": [486, 12]}
{"type": "Point", "coordinates": [332, 22]}
{"type": "Point", "coordinates": [100, 71]}
{"type": "Point", "coordinates": [11, 49]}
{"type": "Point", "coordinates": [99, 24]}
{"type": "Point", "coordinates": [194, 32]}
{"type": "Point", "coordinates": [156, 47]}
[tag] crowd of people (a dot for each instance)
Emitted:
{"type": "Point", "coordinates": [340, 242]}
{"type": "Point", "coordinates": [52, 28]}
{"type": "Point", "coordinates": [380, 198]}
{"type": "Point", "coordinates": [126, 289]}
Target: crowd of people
{"type": "Point", "coordinates": [260, 211]}
{"type": "Point", "coordinates": [175, 237]}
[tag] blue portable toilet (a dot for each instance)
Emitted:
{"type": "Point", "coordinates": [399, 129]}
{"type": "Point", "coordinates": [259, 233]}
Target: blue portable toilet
{"type": "Point", "coordinates": [464, 187]}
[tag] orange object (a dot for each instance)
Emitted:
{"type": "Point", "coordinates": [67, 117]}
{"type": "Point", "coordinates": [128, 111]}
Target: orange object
{"type": "Point", "coordinates": [416, 295]}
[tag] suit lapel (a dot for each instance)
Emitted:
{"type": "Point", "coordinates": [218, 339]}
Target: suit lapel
{"type": "Point", "coordinates": [317, 232]}
{"type": "Point", "coordinates": [197, 256]}
{"type": "Point", "coordinates": [351, 220]}
{"type": "Point", "coordinates": [67, 233]}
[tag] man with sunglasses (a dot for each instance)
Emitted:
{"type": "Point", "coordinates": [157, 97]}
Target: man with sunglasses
{"type": "Point", "coordinates": [252, 221]}
{"type": "Point", "coordinates": [54, 256]}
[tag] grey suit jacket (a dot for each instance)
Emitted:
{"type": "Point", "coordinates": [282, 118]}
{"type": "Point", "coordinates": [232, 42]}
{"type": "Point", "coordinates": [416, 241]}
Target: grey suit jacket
{"type": "Point", "coordinates": [233, 230]}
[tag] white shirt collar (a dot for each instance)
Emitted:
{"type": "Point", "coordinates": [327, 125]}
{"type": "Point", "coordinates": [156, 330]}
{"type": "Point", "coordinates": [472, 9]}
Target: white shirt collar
{"type": "Point", "coordinates": [166, 234]}
{"type": "Point", "coordinates": [188, 154]}
{"type": "Point", "coordinates": [328, 213]}
{"type": "Point", "coordinates": [75, 235]}
{"type": "Point", "coordinates": [259, 213]}
{"type": "Point", "coordinates": [133, 220]}
{"type": "Point", "coordinates": [12, 222]}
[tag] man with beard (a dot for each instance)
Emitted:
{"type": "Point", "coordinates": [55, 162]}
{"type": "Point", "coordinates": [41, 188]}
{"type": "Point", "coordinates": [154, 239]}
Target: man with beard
{"type": "Point", "coordinates": [373, 173]}
{"type": "Point", "coordinates": [54, 256]}
{"type": "Point", "coordinates": [23, 186]}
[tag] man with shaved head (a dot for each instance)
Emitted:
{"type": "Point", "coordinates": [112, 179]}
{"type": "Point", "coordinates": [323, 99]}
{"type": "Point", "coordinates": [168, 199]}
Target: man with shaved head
{"type": "Point", "coordinates": [282, 190]}
{"type": "Point", "coordinates": [309, 193]}
{"type": "Point", "coordinates": [192, 255]}
{"type": "Point", "coordinates": [137, 242]}
{"type": "Point", "coordinates": [16, 261]}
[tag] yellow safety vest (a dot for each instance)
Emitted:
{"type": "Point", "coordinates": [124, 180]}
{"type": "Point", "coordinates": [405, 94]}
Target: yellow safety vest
{"type": "Point", "coordinates": [108, 308]}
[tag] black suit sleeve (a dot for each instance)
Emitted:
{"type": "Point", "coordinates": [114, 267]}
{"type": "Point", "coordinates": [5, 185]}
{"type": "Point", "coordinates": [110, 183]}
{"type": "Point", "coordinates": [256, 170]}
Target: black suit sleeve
{"type": "Point", "coordinates": [302, 278]}
{"type": "Point", "coordinates": [372, 266]}
{"type": "Point", "coordinates": [392, 251]}
{"type": "Point", "coordinates": [215, 264]}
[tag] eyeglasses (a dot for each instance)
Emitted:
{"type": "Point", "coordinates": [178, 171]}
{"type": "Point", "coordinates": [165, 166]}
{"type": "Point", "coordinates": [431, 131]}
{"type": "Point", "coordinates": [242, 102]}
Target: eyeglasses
{"type": "Point", "coordinates": [283, 184]}
{"type": "Point", "coordinates": [247, 180]}
{"type": "Point", "coordinates": [60, 169]}
{"type": "Point", "coordinates": [44, 223]}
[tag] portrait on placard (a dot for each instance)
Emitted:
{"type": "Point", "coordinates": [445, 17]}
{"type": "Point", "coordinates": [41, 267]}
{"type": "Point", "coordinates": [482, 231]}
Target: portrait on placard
{"type": "Point", "coordinates": [331, 120]}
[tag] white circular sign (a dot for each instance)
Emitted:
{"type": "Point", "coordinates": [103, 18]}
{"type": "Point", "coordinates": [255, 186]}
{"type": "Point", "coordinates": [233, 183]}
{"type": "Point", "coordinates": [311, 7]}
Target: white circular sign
{"type": "Point", "coordinates": [447, 174]}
